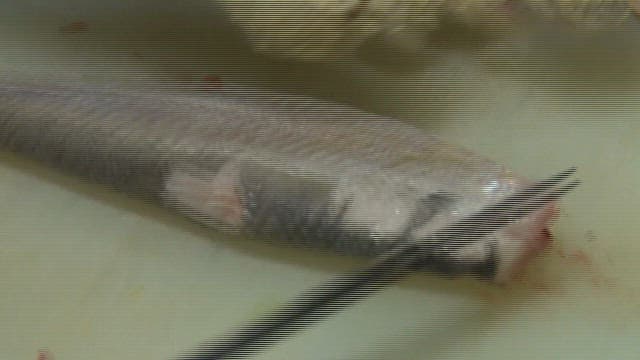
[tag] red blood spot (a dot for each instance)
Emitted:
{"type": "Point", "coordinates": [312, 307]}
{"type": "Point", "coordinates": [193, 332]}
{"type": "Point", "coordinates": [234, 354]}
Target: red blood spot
{"type": "Point", "coordinates": [212, 82]}
{"type": "Point", "coordinates": [44, 354]}
{"type": "Point", "coordinates": [580, 257]}
{"type": "Point", "coordinates": [509, 7]}
{"type": "Point", "coordinates": [75, 27]}
{"type": "Point", "coordinates": [539, 284]}
{"type": "Point", "coordinates": [546, 238]}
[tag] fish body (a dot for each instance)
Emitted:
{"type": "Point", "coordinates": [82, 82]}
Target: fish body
{"type": "Point", "coordinates": [273, 165]}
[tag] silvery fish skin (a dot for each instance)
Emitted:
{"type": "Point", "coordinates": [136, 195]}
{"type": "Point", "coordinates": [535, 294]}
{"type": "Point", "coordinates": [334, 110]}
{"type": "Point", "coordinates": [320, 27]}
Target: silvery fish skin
{"type": "Point", "coordinates": [275, 166]}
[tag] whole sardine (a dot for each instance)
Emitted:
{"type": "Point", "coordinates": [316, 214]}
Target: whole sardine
{"type": "Point", "coordinates": [273, 165]}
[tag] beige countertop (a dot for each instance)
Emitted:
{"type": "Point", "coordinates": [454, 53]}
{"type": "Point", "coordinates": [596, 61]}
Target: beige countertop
{"type": "Point", "coordinates": [91, 274]}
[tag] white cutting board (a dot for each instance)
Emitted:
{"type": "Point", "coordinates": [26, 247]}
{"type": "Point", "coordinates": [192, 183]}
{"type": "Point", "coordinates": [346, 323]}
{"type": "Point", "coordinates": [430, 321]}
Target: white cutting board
{"type": "Point", "coordinates": [90, 274]}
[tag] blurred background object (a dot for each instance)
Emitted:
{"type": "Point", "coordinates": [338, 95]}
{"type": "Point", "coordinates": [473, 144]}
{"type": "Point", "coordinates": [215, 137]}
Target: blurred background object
{"type": "Point", "coordinates": [400, 33]}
